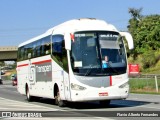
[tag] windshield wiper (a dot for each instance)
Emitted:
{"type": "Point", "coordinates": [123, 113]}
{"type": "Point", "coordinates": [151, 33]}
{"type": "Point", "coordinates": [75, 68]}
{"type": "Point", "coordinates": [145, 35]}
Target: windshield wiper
{"type": "Point", "coordinates": [89, 70]}
{"type": "Point", "coordinates": [110, 66]}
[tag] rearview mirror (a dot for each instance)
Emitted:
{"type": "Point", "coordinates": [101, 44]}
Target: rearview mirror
{"type": "Point", "coordinates": [128, 38]}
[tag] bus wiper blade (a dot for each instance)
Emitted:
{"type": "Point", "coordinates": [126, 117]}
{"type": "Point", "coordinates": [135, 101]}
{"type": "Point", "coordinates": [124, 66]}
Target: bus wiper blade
{"type": "Point", "coordinates": [89, 70]}
{"type": "Point", "coordinates": [113, 68]}
{"type": "Point", "coordinates": [102, 74]}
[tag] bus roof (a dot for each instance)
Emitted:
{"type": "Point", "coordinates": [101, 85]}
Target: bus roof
{"type": "Point", "coordinates": [83, 24]}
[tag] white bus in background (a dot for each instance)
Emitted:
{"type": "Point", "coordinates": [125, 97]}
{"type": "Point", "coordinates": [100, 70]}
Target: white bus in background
{"type": "Point", "coordinates": [79, 60]}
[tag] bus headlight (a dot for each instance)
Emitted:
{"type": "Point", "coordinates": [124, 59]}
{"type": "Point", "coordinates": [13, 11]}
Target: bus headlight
{"type": "Point", "coordinates": [77, 87]}
{"type": "Point", "coordinates": [125, 85]}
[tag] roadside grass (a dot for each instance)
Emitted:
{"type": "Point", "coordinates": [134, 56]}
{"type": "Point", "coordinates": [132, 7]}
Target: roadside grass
{"type": "Point", "coordinates": [7, 75]}
{"type": "Point", "coordinates": [144, 86]}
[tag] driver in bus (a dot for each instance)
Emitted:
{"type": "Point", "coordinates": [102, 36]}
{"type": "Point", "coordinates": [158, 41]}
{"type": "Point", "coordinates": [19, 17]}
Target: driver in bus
{"type": "Point", "coordinates": [105, 61]}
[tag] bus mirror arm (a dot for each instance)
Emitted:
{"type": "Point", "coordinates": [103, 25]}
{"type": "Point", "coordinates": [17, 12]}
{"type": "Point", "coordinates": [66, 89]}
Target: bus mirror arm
{"type": "Point", "coordinates": [67, 39]}
{"type": "Point", "coordinates": [128, 38]}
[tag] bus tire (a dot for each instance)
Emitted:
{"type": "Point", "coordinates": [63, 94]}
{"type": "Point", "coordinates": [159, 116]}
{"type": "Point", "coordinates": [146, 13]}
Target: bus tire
{"type": "Point", "coordinates": [58, 100]}
{"type": "Point", "coordinates": [29, 97]}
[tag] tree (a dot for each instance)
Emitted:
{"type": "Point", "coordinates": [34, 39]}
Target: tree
{"type": "Point", "coordinates": [2, 63]}
{"type": "Point", "coordinates": [133, 25]}
{"type": "Point", "coordinates": [135, 13]}
{"type": "Point", "coordinates": [146, 34]}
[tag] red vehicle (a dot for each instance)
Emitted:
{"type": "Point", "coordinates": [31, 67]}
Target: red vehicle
{"type": "Point", "coordinates": [14, 81]}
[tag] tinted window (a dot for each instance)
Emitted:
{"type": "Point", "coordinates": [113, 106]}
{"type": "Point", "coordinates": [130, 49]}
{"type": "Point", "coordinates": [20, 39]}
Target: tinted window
{"type": "Point", "coordinates": [59, 52]}
{"type": "Point", "coordinates": [35, 49]}
{"type": "Point", "coordinates": [98, 53]}
{"type": "Point", "coordinates": [57, 43]}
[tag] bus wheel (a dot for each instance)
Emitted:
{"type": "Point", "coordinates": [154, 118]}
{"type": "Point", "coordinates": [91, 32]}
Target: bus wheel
{"type": "Point", "coordinates": [58, 100]}
{"type": "Point", "coordinates": [29, 97]}
{"type": "Point", "coordinates": [104, 103]}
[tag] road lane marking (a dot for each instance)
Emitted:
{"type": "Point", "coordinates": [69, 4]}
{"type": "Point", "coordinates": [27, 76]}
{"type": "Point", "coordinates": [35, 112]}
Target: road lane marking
{"type": "Point", "coordinates": [23, 104]}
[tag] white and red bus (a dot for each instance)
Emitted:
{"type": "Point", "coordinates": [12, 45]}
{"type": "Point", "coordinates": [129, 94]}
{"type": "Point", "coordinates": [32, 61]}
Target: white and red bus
{"type": "Point", "coordinates": [78, 60]}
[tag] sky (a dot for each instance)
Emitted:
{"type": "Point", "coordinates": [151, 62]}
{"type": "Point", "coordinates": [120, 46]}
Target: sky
{"type": "Point", "coordinates": [21, 20]}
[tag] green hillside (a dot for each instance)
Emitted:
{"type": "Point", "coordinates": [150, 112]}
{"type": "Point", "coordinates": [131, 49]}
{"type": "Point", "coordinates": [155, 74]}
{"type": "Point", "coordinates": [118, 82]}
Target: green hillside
{"type": "Point", "coordinates": [146, 34]}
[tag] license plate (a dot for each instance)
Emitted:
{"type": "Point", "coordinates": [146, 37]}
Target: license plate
{"type": "Point", "coordinates": [103, 94]}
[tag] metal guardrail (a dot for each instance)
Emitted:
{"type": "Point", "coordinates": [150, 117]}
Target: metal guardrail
{"type": "Point", "coordinates": [146, 76]}
{"type": "Point", "coordinates": [150, 76]}
{"type": "Point", "coordinates": [145, 83]}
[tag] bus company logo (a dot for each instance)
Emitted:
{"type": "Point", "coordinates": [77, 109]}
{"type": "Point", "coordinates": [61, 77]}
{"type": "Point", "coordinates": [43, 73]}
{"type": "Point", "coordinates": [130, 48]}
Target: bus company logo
{"type": "Point", "coordinates": [45, 68]}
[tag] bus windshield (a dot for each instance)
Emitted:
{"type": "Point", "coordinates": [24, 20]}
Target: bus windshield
{"type": "Point", "coordinates": [98, 53]}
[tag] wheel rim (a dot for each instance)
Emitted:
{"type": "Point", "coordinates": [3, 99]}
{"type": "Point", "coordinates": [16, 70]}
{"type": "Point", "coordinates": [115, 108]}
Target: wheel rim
{"type": "Point", "coordinates": [58, 97]}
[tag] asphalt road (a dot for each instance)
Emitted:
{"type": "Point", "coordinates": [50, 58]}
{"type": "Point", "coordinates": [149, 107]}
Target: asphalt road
{"type": "Point", "coordinates": [11, 100]}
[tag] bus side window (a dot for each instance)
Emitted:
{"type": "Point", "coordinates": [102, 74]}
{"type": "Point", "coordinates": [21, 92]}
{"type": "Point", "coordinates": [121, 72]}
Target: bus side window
{"type": "Point", "coordinates": [59, 52]}
{"type": "Point", "coordinates": [29, 50]}
{"type": "Point", "coordinates": [47, 45]}
{"type": "Point", "coordinates": [34, 50]}
{"type": "Point", "coordinates": [57, 44]}
{"type": "Point", "coordinates": [42, 48]}
{"type": "Point", "coordinates": [38, 49]}
{"type": "Point", "coordinates": [47, 48]}
{"type": "Point", "coordinates": [21, 53]}
{"type": "Point", "coordinates": [57, 47]}
{"type": "Point", "coordinates": [25, 53]}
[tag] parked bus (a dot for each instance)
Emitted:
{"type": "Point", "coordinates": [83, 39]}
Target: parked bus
{"type": "Point", "coordinates": [78, 60]}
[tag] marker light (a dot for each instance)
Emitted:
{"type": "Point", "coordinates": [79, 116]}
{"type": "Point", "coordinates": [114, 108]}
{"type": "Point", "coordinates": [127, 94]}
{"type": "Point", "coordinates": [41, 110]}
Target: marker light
{"type": "Point", "coordinates": [72, 37]}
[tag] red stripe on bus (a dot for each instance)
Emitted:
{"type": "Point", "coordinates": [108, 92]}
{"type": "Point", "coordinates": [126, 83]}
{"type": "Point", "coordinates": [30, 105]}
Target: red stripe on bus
{"type": "Point", "coordinates": [39, 62]}
{"type": "Point", "coordinates": [22, 65]}
{"type": "Point", "coordinates": [110, 80]}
